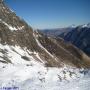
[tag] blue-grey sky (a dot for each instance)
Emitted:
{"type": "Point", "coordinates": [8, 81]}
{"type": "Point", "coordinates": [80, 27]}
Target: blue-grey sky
{"type": "Point", "coordinates": [52, 13]}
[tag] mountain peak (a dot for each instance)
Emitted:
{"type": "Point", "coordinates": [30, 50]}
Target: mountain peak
{"type": "Point", "coordinates": [86, 25]}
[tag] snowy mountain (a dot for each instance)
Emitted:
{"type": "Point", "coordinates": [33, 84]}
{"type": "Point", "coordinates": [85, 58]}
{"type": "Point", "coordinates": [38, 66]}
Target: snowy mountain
{"type": "Point", "coordinates": [30, 60]}
{"type": "Point", "coordinates": [80, 37]}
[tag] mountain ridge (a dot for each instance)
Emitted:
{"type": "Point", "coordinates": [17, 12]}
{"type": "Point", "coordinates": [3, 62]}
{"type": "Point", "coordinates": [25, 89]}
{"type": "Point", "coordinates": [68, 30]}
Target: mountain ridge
{"type": "Point", "coordinates": [15, 31]}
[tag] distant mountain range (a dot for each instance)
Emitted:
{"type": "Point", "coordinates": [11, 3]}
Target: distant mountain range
{"type": "Point", "coordinates": [55, 32]}
{"type": "Point", "coordinates": [78, 36]}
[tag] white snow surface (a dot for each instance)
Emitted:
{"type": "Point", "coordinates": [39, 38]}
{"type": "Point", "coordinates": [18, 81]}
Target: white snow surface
{"type": "Point", "coordinates": [86, 25]}
{"type": "Point", "coordinates": [32, 75]}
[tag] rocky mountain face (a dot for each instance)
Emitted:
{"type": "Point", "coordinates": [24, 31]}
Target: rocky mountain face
{"type": "Point", "coordinates": [66, 52]}
{"type": "Point", "coordinates": [14, 31]}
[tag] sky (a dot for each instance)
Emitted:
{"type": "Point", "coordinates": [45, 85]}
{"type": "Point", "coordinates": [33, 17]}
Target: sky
{"type": "Point", "coordinates": [41, 14]}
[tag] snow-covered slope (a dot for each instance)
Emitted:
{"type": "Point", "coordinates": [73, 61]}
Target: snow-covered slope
{"type": "Point", "coordinates": [26, 73]}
